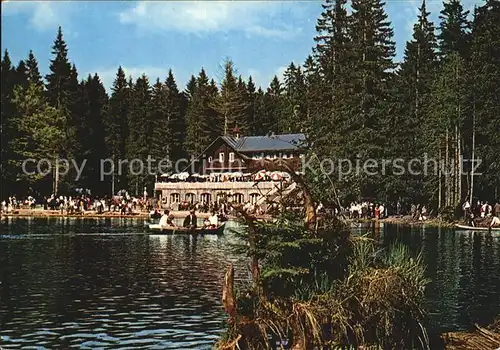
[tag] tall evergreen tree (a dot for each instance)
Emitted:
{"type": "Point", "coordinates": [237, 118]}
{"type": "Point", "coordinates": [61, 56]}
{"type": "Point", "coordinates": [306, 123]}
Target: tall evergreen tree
{"type": "Point", "coordinates": [139, 132]}
{"type": "Point", "coordinates": [294, 101]}
{"type": "Point", "coordinates": [231, 104]}
{"type": "Point", "coordinates": [34, 76]}
{"type": "Point", "coordinates": [203, 125]}
{"type": "Point", "coordinates": [454, 30]}
{"type": "Point", "coordinates": [58, 80]}
{"type": "Point", "coordinates": [251, 95]}
{"type": "Point", "coordinates": [6, 123]}
{"type": "Point", "coordinates": [372, 75]}
{"type": "Point", "coordinates": [484, 92]}
{"type": "Point", "coordinates": [176, 117]}
{"type": "Point", "coordinates": [91, 134]}
{"type": "Point", "coordinates": [412, 96]}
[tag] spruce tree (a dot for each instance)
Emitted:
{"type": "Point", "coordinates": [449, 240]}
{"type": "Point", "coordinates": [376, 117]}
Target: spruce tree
{"type": "Point", "coordinates": [91, 134]}
{"type": "Point", "coordinates": [34, 76]}
{"type": "Point", "coordinates": [231, 104]}
{"type": "Point", "coordinates": [483, 90]}
{"type": "Point", "coordinates": [203, 124]}
{"type": "Point", "coordinates": [372, 75]}
{"type": "Point", "coordinates": [139, 132]}
{"type": "Point", "coordinates": [58, 80]}
{"type": "Point", "coordinates": [294, 106]}
{"type": "Point", "coordinates": [454, 30]}
{"type": "Point", "coordinates": [412, 95]}
{"type": "Point", "coordinates": [176, 117]}
{"type": "Point", "coordinates": [6, 123]}
{"type": "Point", "coordinates": [251, 96]}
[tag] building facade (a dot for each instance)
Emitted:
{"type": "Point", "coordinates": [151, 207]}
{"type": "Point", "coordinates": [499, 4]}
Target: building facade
{"type": "Point", "coordinates": [223, 171]}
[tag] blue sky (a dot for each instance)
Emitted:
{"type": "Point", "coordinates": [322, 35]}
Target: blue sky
{"type": "Point", "coordinates": [261, 37]}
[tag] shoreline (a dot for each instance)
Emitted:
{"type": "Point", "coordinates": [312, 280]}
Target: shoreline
{"type": "Point", "coordinates": [40, 213]}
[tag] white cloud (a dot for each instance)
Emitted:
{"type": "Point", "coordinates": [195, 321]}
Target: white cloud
{"type": "Point", "coordinates": [43, 15]}
{"type": "Point", "coordinates": [204, 17]}
{"type": "Point", "coordinates": [280, 73]}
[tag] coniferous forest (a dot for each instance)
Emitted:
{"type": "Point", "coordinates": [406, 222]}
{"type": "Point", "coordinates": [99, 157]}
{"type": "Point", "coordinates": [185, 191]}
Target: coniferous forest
{"type": "Point", "coordinates": [350, 97]}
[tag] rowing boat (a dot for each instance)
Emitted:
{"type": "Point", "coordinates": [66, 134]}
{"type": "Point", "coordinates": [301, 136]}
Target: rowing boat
{"type": "Point", "coordinates": [475, 228]}
{"type": "Point", "coordinates": [186, 231]}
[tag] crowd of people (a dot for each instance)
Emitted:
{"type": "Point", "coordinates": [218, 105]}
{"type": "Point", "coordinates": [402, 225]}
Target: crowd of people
{"type": "Point", "coordinates": [481, 213]}
{"type": "Point", "coordinates": [79, 204]}
{"type": "Point", "coordinates": [191, 220]}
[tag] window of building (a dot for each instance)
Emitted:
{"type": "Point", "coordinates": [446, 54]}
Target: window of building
{"type": "Point", "coordinates": [221, 157]}
{"type": "Point", "coordinates": [210, 159]}
{"type": "Point", "coordinates": [231, 157]}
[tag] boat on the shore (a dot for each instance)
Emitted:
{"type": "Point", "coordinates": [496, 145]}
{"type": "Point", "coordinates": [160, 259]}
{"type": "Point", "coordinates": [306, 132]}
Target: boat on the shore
{"type": "Point", "coordinates": [478, 228]}
{"type": "Point", "coordinates": [186, 231]}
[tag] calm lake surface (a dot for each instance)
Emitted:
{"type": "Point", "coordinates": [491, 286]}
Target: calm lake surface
{"type": "Point", "coordinates": [94, 283]}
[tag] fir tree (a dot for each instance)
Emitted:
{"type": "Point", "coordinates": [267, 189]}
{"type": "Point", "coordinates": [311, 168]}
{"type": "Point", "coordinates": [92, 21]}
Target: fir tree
{"type": "Point", "coordinates": [294, 104]}
{"type": "Point", "coordinates": [91, 134]}
{"type": "Point", "coordinates": [139, 131]}
{"type": "Point", "coordinates": [484, 89]}
{"type": "Point", "coordinates": [231, 104]}
{"type": "Point", "coordinates": [251, 95]}
{"type": "Point", "coordinates": [454, 30]}
{"type": "Point", "coordinates": [176, 117]}
{"type": "Point", "coordinates": [6, 123]}
{"type": "Point", "coordinates": [117, 125]}
{"type": "Point", "coordinates": [203, 125]}
{"type": "Point", "coordinates": [34, 76]}
{"type": "Point", "coordinates": [58, 80]}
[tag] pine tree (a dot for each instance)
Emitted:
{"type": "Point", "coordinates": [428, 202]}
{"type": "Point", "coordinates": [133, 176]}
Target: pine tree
{"type": "Point", "coordinates": [91, 134]}
{"type": "Point", "coordinates": [6, 123]}
{"type": "Point", "coordinates": [203, 125]}
{"type": "Point", "coordinates": [231, 104]}
{"type": "Point", "coordinates": [41, 132]}
{"type": "Point", "coordinates": [412, 95]}
{"type": "Point", "coordinates": [273, 102]}
{"type": "Point", "coordinates": [139, 132]}
{"type": "Point", "coordinates": [454, 30]}
{"type": "Point", "coordinates": [160, 138]}
{"type": "Point", "coordinates": [251, 96]}
{"type": "Point", "coordinates": [21, 76]}
{"type": "Point", "coordinates": [294, 106]}
{"type": "Point", "coordinates": [34, 76]}
{"type": "Point", "coordinates": [484, 88]}
{"type": "Point", "coordinates": [58, 80]}
{"type": "Point", "coordinates": [176, 117]}
{"type": "Point", "coordinates": [117, 126]}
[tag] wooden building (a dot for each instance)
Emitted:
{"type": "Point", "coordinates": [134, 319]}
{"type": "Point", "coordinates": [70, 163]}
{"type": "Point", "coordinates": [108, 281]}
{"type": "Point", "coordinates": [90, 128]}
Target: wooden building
{"type": "Point", "coordinates": [234, 155]}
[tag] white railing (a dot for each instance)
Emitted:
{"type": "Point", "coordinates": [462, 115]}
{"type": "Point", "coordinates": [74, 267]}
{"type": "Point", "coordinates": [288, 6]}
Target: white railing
{"type": "Point", "coordinates": [262, 185]}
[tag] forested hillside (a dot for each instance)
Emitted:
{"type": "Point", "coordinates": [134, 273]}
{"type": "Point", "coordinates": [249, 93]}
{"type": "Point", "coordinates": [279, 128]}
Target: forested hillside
{"type": "Point", "coordinates": [350, 96]}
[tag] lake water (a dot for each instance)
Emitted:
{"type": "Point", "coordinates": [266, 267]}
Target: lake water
{"type": "Point", "coordinates": [94, 283]}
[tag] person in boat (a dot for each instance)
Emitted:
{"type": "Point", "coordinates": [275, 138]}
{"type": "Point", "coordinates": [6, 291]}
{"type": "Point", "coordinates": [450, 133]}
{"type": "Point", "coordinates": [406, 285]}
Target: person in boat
{"type": "Point", "coordinates": [167, 219]}
{"type": "Point", "coordinates": [496, 209]}
{"type": "Point", "coordinates": [495, 222]}
{"type": "Point", "coordinates": [213, 219]}
{"type": "Point", "coordinates": [155, 214]}
{"type": "Point", "coordinates": [190, 221]}
{"type": "Point", "coordinates": [206, 223]}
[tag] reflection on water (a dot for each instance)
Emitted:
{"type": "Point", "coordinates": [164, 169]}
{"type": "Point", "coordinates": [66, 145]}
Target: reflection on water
{"type": "Point", "coordinates": [105, 283]}
{"type": "Point", "coordinates": [114, 289]}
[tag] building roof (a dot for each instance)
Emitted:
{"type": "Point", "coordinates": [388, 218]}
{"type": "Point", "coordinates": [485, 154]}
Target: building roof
{"type": "Point", "coordinates": [286, 142]}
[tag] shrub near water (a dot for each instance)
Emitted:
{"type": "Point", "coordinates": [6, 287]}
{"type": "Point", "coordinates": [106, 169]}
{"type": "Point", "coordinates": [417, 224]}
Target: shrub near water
{"type": "Point", "coordinates": [325, 288]}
